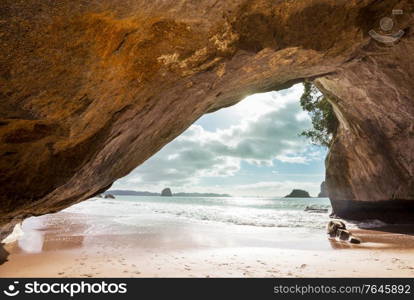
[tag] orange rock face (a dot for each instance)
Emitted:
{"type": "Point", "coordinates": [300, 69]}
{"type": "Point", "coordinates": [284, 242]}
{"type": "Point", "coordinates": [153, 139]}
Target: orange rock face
{"type": "Point", "coordinates": [91, 89]}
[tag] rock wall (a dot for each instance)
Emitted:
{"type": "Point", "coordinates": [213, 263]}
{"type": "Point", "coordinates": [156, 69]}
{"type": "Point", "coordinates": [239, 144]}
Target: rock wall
{"type": "Point", "coordinates": [91, 89]}
{"type": "Point", "coordinates": [370, 168]}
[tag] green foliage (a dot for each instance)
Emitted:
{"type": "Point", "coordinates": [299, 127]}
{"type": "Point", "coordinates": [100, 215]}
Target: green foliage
{"type": "Point", "coordinates": [324, 121]}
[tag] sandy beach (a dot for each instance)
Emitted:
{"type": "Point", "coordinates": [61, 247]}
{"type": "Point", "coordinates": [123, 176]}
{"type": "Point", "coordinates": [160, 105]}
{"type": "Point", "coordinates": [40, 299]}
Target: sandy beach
{"type": "Point", "coordinates": [78, 245]}
{"type": "Point", "coordinates": [206, 138]}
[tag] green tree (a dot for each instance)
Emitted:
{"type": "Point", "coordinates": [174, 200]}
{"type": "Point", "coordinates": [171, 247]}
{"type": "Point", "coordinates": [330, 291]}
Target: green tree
{"type": "Point", "coordinates": [324, 121]}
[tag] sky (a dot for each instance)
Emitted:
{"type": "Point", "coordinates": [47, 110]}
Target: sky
{"type": "Point", "coordinates": [250, 149]}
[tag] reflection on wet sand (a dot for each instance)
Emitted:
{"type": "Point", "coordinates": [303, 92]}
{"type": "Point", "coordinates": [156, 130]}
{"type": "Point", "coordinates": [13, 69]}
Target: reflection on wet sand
{"type": "Point", "coordinates": [49, 233]}
{"type": "Point", "coordinates": [74, 244]}
{"type": "Point", "coordinates": [389, 237]}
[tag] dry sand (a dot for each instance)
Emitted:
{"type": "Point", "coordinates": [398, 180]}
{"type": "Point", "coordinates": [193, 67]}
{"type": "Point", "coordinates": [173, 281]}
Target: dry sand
{"type": "Point", "coordinates": [66, 247]}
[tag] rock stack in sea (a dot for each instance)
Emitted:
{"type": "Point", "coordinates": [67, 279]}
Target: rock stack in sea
{"type": "Point", "coordinates": [324, 190]}
{"type": "Point", "coordinates": [166, 192]}
{"type": "Point", "coordinates": [296, 193]}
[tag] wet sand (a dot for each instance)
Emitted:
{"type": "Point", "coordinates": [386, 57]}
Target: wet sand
{"type": "Point", "coordinates": [77, 245]}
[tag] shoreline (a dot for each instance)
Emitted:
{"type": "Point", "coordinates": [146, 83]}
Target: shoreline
{"type": "Point", "coordinates": [74, 245]}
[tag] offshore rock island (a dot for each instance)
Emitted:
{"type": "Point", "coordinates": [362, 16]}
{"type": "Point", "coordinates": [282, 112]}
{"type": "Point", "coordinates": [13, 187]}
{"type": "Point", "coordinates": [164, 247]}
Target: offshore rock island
{"type": "Point", "coordinates": [296, 193]}
{"type": "Point", "coordinates": [181, 194]}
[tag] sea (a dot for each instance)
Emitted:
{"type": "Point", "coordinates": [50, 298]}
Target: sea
{"type": "Point", "coordinates": [155, 222]}
{"type": "Point", "coordinates": [240, 211]}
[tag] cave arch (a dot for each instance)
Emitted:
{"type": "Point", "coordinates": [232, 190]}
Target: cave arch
{"type": "Point", "coordinates": [91, 90]}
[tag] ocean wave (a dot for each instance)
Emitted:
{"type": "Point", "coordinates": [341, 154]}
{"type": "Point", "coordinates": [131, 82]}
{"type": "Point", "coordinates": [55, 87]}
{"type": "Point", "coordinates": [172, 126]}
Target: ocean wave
{"type": "Point", "coordinates": [244, 212]}
{"type": "Point", "coordinates": [367, 224]}
{"type": "Point", "coordinates": [251, 217]}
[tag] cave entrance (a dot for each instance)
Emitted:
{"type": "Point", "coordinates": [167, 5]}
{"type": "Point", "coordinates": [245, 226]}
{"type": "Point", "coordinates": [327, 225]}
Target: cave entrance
{"type": "Point", "coordinates": [253, 148]}
{"type": "Point", "coordinates": [221, 182]}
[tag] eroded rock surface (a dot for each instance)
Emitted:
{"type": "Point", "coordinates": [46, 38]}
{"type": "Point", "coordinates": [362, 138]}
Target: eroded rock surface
{"type": "Point", "coordinates": [91, 89]}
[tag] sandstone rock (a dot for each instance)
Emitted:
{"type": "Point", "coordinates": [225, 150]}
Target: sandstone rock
{"type": "Point", "coordinates": [354, 240]}
{"type": "Point", "coordinates": [91, 89]}
{"type": "Point", "coordinates": [337, 229]}
{"type": "Point", "coordinates": [334, 226]}
{"type": "Point", "coordinates": [3, 255]}
{"type": "Point", "coordinates": [316, 209]}
{"type": "Point", "coordinates": [343, 234]}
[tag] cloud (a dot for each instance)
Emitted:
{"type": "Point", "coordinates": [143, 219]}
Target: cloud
{"type": "Point", "coordinates": [292, 159]}
{"type": "Point", "coordinates": [264, 128]}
